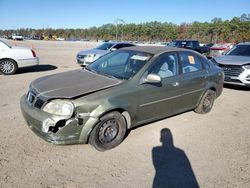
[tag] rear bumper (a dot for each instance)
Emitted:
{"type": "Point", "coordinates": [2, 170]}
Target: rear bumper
{"type": "Point", "coordinates": [28, 62]}
{"type": "Point", "coordinates": [70, 133]}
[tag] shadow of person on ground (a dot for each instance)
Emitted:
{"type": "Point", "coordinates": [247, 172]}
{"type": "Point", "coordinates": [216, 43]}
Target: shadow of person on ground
{"type": "Point", "coordinates": [38, 68]}
{"type": "Point", "coordinates": [171, 164]}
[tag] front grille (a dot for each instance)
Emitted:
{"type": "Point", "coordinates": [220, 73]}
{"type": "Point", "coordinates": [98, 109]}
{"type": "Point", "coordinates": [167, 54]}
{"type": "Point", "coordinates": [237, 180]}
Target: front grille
{"type": "Point", "coordinates": [33, 99]}
{"type": "Point", "coordinates": [39, 103]}
{"type": "Point", "coordinates": [232, 70]}
{"type": "Point", "coordinates": [31, 96]}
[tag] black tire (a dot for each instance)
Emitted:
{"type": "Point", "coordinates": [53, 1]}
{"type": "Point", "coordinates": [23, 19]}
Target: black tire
{"type": "Point", "coordinates": [8, 66]}
{"type": "Point", "coordinates": [109, 132]}
{"type": "Point", "coordinates": [206, 102]}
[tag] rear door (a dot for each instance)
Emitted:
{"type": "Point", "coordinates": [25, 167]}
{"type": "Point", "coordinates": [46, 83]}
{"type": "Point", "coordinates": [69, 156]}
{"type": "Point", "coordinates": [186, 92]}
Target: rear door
{"type": "Point", "coordinates": [192, 81]}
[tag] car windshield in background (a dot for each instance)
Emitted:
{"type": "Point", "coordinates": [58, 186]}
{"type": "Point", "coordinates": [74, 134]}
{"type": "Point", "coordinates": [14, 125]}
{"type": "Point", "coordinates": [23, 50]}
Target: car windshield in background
{"type": "Point", "coordinates": [173, 44]}
{"type": "Point", "coordinates": [240, 50]}
{"type": "Point", "coordinates": [105, 46]}
{"type": "Point", "coordinates": [121, 64]}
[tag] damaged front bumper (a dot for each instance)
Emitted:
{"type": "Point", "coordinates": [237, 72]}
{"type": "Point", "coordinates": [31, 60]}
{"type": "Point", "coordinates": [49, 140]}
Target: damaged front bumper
{"type": "Point", "coordinates": [57, 129]}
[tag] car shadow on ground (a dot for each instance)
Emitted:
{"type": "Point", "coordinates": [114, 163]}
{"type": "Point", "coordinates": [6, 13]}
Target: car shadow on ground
{"type": "Point", "coordinates": [236, 87]}
{"type": "Point", "coordinates": [38, 68]}
{"type": "Point", "coordinates": [172, 166]}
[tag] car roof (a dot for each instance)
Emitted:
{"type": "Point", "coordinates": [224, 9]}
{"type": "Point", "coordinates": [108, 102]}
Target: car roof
{"type": "Point", "coordinates": [244, 43]}
{"type": "Point", "coordinates": [114, 42]}
{"type": "Point", "coordinates": [155, 49]}
{"type": "Point", "coordinates": [184, 40]}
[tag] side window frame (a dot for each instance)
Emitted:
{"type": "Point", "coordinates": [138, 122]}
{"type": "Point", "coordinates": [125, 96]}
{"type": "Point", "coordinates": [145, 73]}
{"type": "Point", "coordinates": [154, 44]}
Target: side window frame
{"type": "Point", "coordinates": [159, 57]}
{"type": "Point", "coordinates": [181, 63]}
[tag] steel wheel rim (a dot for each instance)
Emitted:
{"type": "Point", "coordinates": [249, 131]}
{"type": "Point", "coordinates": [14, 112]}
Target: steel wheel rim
{"type": "Point", "coordinates": [108, 131]}
{"type": "Point", "coordinates": [7, 66]}
{"type": "Point", "coordinates": [208, 102]}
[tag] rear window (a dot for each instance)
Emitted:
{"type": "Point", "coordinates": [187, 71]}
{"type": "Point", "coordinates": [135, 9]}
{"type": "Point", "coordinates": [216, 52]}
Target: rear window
{"type": "Point", "coordinates": [190, 62]}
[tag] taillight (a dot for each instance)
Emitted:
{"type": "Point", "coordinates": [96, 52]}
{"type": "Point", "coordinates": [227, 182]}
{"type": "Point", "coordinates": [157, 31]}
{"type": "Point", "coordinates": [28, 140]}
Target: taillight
{"type": "Point", "coordinates": [33, 53]}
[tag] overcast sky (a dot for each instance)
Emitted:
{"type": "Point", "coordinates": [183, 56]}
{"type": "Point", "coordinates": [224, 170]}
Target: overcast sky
{"type": "Point", "coordinates": [87, 13]}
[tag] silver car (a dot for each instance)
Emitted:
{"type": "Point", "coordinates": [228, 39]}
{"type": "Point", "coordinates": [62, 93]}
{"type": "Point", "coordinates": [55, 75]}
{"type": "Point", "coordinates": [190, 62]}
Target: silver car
{"type": "Point", "coordinates": [86, 57]}
{"type": "Point", "coordinates": [236, 64]}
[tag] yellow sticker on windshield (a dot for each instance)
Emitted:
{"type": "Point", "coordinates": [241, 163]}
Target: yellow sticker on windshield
{"type": "Point", "coordinates": [191, 59]}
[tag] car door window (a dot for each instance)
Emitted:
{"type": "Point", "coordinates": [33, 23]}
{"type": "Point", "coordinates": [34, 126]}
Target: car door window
{"type": "Point", "coordinates": [190, 62]}
{"type": "Point", "coordinates": [165, 66]}
{"type": "Point", "coordinates": [127, 45]}
{"type": "Point", "coordinates": [118, 46]}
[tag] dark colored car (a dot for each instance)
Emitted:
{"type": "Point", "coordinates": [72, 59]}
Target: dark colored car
{"type": "Point", "coordinates": [189, 44]}
{"type": "Point", "coordinates": [121, 90]}
{"type": "Point", "coordinates": [236, 64]}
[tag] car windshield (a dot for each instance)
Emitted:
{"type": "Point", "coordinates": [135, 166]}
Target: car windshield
{"type": "Point", "coordinates": [122, 64]}
{"type": "Point", "coordinates": [105, 46]}
{"type": "Point", "coordinates": [173, 44]}
{"type": "Point", "coordinates": [240, 50]}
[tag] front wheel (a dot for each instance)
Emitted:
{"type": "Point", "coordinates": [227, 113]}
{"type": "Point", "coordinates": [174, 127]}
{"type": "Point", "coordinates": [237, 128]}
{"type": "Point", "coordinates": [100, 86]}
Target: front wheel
{"type": "Point", "coordinates": [206, 102]}
{"type": "Point", "coordinates": [8, 66]}
{"type": "Point", "coordinates": [109, 132]}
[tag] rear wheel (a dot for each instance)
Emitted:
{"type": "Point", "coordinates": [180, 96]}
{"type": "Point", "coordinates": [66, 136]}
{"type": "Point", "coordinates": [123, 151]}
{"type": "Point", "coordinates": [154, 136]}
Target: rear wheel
{"type": "Point", "coordinates": [206, 102]}
{"type": "Point", "coordinates": [8, 66]}
{"type": "Point", "coordinates": [109, 132]}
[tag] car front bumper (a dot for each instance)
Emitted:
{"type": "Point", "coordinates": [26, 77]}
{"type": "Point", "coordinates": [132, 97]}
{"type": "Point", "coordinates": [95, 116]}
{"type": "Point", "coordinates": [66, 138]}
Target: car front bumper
{"type": "Point", "coordinates": [28, 62]}
{"type": "Point", "coordinates": [243, 79]}
{"type": "Point", "coordinates": [70, 133]}
{"type": "Point", "coordinates": [83, 62]}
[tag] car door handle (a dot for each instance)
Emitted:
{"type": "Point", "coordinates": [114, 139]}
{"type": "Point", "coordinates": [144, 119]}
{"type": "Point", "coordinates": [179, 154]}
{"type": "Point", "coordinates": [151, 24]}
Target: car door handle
{"type": "Point", "coordinates": [176, 84]}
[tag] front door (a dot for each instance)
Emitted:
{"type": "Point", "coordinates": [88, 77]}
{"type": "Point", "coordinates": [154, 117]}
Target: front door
{"type": "Point", "coordinates": [158, 100]}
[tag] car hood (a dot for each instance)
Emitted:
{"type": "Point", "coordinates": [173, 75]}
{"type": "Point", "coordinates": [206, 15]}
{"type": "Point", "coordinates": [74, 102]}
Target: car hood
{"type": "Point", "coordinates": [232, 60]}
{"type": "Point", "coordinates": [20, 48]}
{"type": "Point", "coordinates": [71, 84]}
{"type": "Point", "coordinates": [93, 51]}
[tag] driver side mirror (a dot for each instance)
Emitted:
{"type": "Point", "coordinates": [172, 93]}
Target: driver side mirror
{"type": "Point", "coordinates": [153, 78]}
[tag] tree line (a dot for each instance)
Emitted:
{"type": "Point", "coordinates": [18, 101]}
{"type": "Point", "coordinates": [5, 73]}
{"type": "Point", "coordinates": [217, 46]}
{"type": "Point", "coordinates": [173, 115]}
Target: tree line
{"type": "Point", "coordinates": [235, 30]}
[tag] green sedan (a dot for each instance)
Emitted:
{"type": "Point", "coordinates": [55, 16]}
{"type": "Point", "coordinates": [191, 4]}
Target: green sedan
{"type": "Point", "coordinates": [119, 91]}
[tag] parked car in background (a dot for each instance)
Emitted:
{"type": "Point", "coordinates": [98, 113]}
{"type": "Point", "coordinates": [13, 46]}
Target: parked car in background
{"type": "Point", "coordinates": [189, 44]}
{"type": "Point", "coordinates": [13, 58]}
{"type": "Point", "coordinates": [121, 90]}
{"type": "Point", "coordinates": [236, 64]}
{"type": "Point", "coordinates": [17, 37]}
{"type": "Point", "coordinates": [219, 49]}
{"type": "Point", "coordinates": [86, 57]}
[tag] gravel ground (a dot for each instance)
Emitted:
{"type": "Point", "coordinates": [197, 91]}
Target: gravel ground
{"type": "Point", "coordinates": [211, 150]}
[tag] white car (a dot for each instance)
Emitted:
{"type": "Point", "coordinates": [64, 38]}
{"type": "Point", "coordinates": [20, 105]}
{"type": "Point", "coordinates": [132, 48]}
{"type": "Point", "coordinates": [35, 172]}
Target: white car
{"type": "Point", "coordinates": [236, 64]}
{"type": "Point", "coordinates": [86, 57]}
{"type": "Point", "coordinates": [13, 58]}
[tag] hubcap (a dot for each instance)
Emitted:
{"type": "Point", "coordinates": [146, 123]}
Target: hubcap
{"type": "Point", "coordinates": [207, 102]}
{"type": "Point", "coordinates": [7, 67]}
{"type": "Point", "coordinates": [108, 131]}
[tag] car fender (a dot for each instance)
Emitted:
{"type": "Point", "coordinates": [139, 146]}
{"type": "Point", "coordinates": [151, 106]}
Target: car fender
{"type": "Point", "coordinates": [210, 85]}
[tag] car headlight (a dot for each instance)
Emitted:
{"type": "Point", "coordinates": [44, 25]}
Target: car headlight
{"type": "Point", "coordinates": [247, 66]}
{"type": "Point", "coordinates": [90, 55]}
{"type": "Point", "coordinates": [59, 107]}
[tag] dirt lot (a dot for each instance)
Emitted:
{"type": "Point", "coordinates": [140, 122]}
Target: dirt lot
{"type": "Point", "coordinates": [212, 150]}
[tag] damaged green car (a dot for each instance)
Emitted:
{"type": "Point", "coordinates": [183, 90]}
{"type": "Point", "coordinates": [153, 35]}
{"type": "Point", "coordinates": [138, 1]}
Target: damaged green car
{"type": "Point", "coordinates": [119, 91]}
